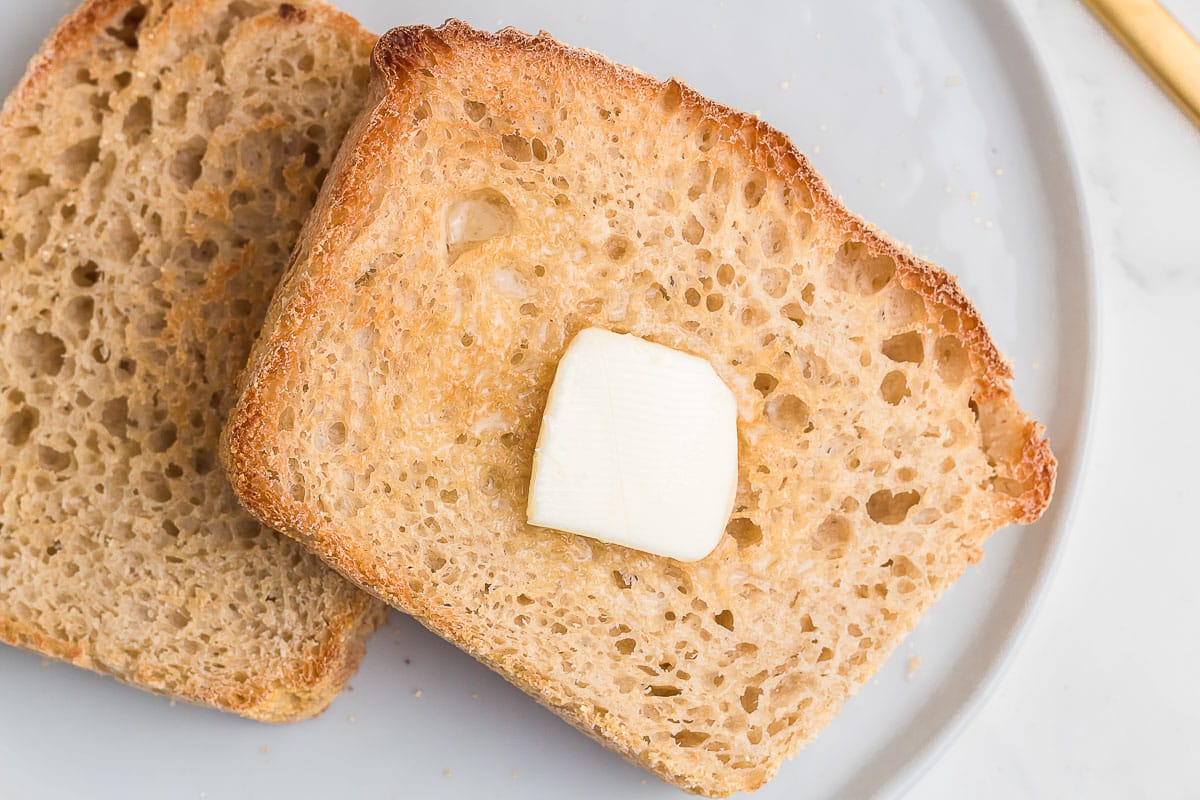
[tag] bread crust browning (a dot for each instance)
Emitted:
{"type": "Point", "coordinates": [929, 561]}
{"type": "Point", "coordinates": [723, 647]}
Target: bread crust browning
{"type": "Point", "coordinates": [251, 461]}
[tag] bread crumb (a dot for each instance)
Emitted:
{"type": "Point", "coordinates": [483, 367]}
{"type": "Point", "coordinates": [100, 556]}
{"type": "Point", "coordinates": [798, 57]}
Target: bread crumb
{"type": "Point", "coordinates": [171, 703]}
{"type": "Point", "coordinates": [416, 692]}
{"type": "Point", "coordinates": [914, 664]}
{"type": "Point", "coordinates": [713, 26]}
{"type": "Point", "coordinates": [816, 148]}
{"type": "Point", "coordinates": [474, 695]}
{"type": "Point", "coordinates": [264, 749]}
{"type": "Point", "coordinates": [643, 781]}
{"type": "Point", "coordinates": [997, 172]}
{"type": "Point", "coordinates": [953, 80]}
{"type": "Point", "coordinates": [883, 90]}
{"type": "Point", "coordinates": [583, 17]}
{"type": "Point", "coordinates": [514, 774]}
{"type": "Point", "coordinates": [784, 85]}
{"type": "Point", "coordinates": [987, 223]}
{"type": "Point", "coordinates": [978, 220]}
{"type": "Point", "coordinates": [45, 662]}
{"type": "Point", "coordinates": [352, 719]}
{"type": "Point", "coordinates": [407, 661]}
{"type": "Point", "coordinates": [823, 126]}
{"type": "Point", "coordinates": [817, 36]}
{"type": "Point", "coordinates": [974, 197]}
{"type": "Point", "coordinates": [447, 773]}
{"type": "Point", "coordinates": [1037, 365]}
{"type": "Point", "coordinates": [949, 189]}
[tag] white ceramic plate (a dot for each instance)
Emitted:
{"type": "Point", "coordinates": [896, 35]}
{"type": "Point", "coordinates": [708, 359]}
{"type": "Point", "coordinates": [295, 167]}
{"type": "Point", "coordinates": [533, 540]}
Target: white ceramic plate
{"type": "Point", "coordinates": [934, 121]}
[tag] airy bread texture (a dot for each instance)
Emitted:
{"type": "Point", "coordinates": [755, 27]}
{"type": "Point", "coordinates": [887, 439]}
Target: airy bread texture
{"type": "Point", "coordinates": [156, 163]}
{"type": "Point", "coordinates": [392, 404]}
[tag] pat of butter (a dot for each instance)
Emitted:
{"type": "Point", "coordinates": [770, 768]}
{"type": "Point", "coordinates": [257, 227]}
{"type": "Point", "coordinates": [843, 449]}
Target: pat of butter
{"type": "Point", "coordinates": [638, 447]}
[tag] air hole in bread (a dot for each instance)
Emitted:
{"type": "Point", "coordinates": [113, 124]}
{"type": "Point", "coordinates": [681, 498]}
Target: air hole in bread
{"type": "Point", "coordinates": [753, 190]}
{"type": "Point", "coordinates": [904, 347]}
{"type": "Point", "coordinates": [793, 312]}
{"type": "Point", "coordinates": [774, 240]}
{"type": "Point", "coordinates": [539, 150]}
{"type": "Point", "coordinates": [516, 147]}
{"type": "Point", "coordinates": [476, 217]}
{"type": "Point", "coordinates": [887, 508]}
{"type": "Point", "coordinates": [474, 110]}
{"type": "Point", "coordinates": [749, 699]}
{"type": "Point", "coordinates": [894, 387]}
{"type": "Point", "coordinates": [126, 31]}
{"type": "Point", "coordinates": [856, 269]}
{"type": "Point", "coordinates": [765, 383]}
{"type": "Point", "coordinates": [138, 120]}
{"type": "Point", "coordinates": [186, 165]}
{"type": "Point", "coordinates": [40, 353]}
{"type": "Point", "coordinates": [951, 359]}
{"type": "Point", "coordinates": [689, 738]}
{"type": "Point", "coordinates": [691, 297]}
{"type": "Point", "coordinates": [825, 655]}
{"type": "Point", "coordinates": [789, 413]}
{"type": "Point", "coordinates": [724, 619]}
{"type": "Point", "coordinates": [725, 274]}
{"type": "Point", "coordinates": [902, 308]}
{"type": "Point", "coordinates": [833, 536]}
{"type": "Point", "coordinates": [617, 248]}
{"type": "Point", "coordinates": [161, 438]}
{"type": "Point", "coordinates": [672, 97]}
{"type": "Point", "coordinates": [658, 690]}
{"type": "Point", "coordinates": [77, 159]}
{"type": "Point", "coordinates": [79, 314]}
{"type": "Point", "coordinates": [692, 231]}
{"type": "Point", "coordinates": [19, 426]}
{"type": "Point", "coordinates": [714, 301]}
{"type": "Point", "coordinates": [623, 580]}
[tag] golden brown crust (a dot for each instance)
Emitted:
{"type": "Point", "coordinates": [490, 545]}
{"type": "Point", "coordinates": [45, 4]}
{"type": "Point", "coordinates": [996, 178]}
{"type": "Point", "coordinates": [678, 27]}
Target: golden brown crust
{"type": "Point", "coordinates": [303, 689]}
{"type": "Point", "coordinates": [251, 462]}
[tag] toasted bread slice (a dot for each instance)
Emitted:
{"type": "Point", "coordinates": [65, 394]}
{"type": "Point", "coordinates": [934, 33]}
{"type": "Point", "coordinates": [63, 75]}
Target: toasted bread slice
{"type": "Point", "coordinates": [156, 163]}
{"type": "Point", "coordinates": [391, 405]}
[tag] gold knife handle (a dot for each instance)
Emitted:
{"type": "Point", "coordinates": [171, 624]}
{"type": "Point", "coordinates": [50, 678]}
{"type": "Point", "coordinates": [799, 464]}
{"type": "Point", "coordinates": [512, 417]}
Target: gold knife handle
{"type": "Point", "coordinates": [1160, 43]}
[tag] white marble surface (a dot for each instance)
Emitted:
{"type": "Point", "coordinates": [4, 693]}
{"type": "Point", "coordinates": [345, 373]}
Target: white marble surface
{"type": "Point", "coordinates": [1103, 699]}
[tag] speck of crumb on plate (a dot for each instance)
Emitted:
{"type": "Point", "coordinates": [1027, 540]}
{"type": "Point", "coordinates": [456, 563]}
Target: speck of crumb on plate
{"type": "Point", "coordinates": [997, 172]}
{"type": "Point", "coordinates": [171, 704]}
{"type": "Point", "coordinates": [911, 669]}
{"type": "Point", "coordinates": [784, 85]}
{"type": "Point", "coordinates": [979, 220]}
{"type": "Point", "coordinates": [974, 197]}
{"type": "Point", "coordinates": [447, 773]}
{"type": "Point", "coordinates": [816, 148]}
{"type": "Point", "coordinates": [351, 719]}
{"type": "Point", "coordinates": [949, 189]}
{"type": "Point", "coordinates": [823, 126]}
{"type": "Point", "coordinates": [1037, 365]}
{"type": "Point", "coordinates": [407, 661]}
{"type": "Point", "coordinates": [264, 749]}
{"type": "Point", "coordinates": [474, 695]}
{"type": "Point", "coordinates": [953, 80]}
{"type": "Point", "coordinates": [416, 692]}
{"type": "Point", "coordinates": [883, 90]}
{"type": "Point", "coordinates": [987, 223]}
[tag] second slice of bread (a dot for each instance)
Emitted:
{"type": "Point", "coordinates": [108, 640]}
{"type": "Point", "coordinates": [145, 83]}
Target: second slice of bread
{"type": "Point", "coordinates": [156, 163]}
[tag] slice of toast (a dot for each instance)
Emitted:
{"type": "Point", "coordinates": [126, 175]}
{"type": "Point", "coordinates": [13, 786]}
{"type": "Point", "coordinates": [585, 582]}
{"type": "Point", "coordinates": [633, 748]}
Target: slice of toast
{"type": "Point", "coordinates": [392, 403]}
{"type": "Point", "coordinates": [156, 163]}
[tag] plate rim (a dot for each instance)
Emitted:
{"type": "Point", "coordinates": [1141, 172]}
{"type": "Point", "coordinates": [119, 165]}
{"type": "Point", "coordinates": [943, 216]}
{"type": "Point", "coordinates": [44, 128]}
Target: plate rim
{"type": "Point", "coordinates": [1042, 96]}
